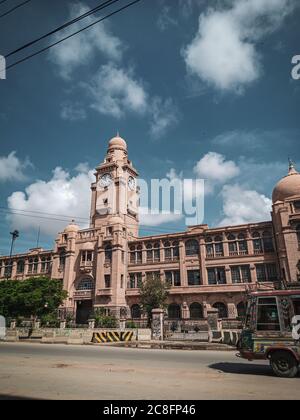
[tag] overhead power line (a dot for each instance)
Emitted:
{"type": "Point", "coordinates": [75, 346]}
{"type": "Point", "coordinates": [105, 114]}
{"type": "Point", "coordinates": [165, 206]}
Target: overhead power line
{"type": "Point", "coordinates": [71, 35]}
{"type": "Point", "coordinates": [64, 26]}
{"type": "Point", "coordinates": [81, 220]}
{"type": "Point", "coordinates": [14, 8]}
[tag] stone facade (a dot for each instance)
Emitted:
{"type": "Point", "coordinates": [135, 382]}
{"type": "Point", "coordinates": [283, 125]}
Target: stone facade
{"type": "Point", "coordinates": [101, 267]}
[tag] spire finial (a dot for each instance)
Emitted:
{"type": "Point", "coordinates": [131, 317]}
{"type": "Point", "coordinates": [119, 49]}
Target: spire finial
{"type": "Point", "coordinates": [292, 169]}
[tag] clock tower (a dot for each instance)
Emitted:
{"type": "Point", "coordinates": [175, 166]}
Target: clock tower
{"type": "Point", "coordinates": [114, 217]}
{"type": "Point", "coordinates": [115, 192]}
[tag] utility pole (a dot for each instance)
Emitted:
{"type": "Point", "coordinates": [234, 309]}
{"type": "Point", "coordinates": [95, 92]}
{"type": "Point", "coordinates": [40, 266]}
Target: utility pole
{"type": "Point", "coordinates": [14, 235]}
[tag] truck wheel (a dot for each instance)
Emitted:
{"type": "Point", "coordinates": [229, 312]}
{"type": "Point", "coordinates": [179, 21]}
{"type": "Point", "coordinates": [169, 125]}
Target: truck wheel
{"type": "Point", "coordinates": [284, 364]}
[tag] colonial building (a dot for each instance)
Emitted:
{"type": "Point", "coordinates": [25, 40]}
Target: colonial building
{"type": "Point", "coordinates": [103, 266]}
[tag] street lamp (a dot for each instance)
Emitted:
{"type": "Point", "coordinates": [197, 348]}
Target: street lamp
{"type": "Point", "coordinates": [14, 235]}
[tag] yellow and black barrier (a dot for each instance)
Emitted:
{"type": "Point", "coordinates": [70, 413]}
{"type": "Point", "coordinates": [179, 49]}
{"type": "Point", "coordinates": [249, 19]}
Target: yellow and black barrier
{"type": "Point", "coordinates": [112, 336]}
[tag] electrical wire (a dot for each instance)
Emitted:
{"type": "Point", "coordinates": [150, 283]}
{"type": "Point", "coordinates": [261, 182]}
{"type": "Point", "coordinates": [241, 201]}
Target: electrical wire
{"type": "Point", "coordinates": [65, 25]}
{"type": "Point", "coordinates": [14, 8]}
{"type": "Point", "coordinates": [71, 35]}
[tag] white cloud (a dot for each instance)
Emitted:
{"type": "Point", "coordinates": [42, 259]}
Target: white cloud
{"type": "Point", "coordinates": [215, 169]}
{"type": "Point", "coordinates": [62, 195]}
{"type": "Point", "coordinates": [163, 115]}
{"type": "Point", "coordinates": [12, 168]}
{"type": "Point", "coordinates": [114, 91]}
{"type": "Point", "coordinates": [81, 48]}
{"type": "Point", "coordinates": [72, 112]}
{"type": "Point", "coordinates": [224, 52]}
{"type": "Point", "coordinates": [148, 219]}
{"type": "Point", "coordinates": [165, 20]}
{"type": "Point", "coordinates": [244, 206]}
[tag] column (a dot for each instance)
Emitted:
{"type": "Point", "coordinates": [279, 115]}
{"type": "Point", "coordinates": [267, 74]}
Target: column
{"type": "Point", "coordinates": [183, 273]}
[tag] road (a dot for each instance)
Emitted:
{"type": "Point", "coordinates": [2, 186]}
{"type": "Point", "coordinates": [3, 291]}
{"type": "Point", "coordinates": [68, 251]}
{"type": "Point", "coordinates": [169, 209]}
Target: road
{"type": "Point", "coordinates": [92, 372]}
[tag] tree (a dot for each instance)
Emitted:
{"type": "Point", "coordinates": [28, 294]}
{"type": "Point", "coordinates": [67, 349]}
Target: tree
{"type": "Point", "coordinates": [153, 294]}
{"type": "Point", "coordinates": [32, 297]}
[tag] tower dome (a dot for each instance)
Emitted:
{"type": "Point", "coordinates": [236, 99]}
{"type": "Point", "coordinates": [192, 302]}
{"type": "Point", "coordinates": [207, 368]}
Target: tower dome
{"type": "Point", "coordinates": [117, 143]}
{"type": "Point", "coordinates": [287, 187]}
{"type": "Point", "coordinates": [72, 228]}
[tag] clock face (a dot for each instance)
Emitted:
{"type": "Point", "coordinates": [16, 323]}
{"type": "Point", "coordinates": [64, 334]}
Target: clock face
{"type": "Point", "coordinates": [105, 180]}
{"type": "Point", "coordinates": [131, 183]}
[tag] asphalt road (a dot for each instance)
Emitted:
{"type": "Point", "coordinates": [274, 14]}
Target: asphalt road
{"type": "Point", "coordinates": [90, 372]}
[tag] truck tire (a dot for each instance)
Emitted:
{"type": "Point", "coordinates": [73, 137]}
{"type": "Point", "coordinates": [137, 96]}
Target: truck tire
{"type": "Point", "coordinates": [284, 364]}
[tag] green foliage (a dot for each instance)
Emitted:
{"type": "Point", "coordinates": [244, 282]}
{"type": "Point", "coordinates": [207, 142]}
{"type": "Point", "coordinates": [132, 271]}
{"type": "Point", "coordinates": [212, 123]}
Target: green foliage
{"type": "Point", "coordinates": [131, 324]}
{"type": "Point", "coordinates": [32, 297]}
{"type": "Point", "coordinates": [104, 321]}
{"type": "Point", "coordinates": [50, 320]}
{"type": "Point", "coordinates": [153, 294]}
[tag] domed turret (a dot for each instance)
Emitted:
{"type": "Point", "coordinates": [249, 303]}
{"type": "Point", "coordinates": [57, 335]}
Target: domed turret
{"type": "Point", "coordinates": [72, 228]}
{"type": "Point", "coordinates": [287, 187]}
{"type": "Point", "coordinates": [117, 143]}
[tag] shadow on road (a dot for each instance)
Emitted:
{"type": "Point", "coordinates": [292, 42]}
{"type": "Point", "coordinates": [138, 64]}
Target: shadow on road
{"type": "Point", "coordinates": [4, 397]}
{"type": "Point", "coordinates": [243, 369]}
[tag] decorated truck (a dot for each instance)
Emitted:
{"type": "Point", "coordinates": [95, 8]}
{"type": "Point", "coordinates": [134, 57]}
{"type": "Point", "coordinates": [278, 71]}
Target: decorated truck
{"type": "Point", "coordinates": [272, 331]}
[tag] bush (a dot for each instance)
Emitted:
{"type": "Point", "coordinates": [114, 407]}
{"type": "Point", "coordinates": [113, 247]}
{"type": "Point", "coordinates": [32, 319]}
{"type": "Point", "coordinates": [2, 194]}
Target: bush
{"type": "Point", "coordinates": [104, 321]}
{"type": "Point", "coordinates": [131, 324]}
{"type": "Point", "coordinates": [50, 321]}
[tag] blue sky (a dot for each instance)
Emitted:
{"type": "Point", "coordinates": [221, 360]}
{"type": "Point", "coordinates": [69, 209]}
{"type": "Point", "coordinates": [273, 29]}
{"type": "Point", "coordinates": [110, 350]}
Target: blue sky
{"type": "Point", "coordinates": [197, 88]}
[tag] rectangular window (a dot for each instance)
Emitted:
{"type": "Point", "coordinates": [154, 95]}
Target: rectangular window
{"type": "Point", "coordinates": [194, 278]}
{"type": "Point", "coordinates": [173, 278]}
{"type": "Point", "coordinates": [268, 245]}
{"type": "Point", "coordinates": [261, 273]}
{"type": "Point", "coordinates": [246, 274]}
{"type": "Point", "coordinates": [210, 250]}
{"type": "Point", "coordinates": [219, 250]}
{"type": "Point", "coordinates": [257, 245]}
{"type": "Point", "coordinates": [267, 315]}
{"type": "Point", "coordinates": [107, 281]}
{"type": "Point", "coordinates": [272, 272]}
{"type": "Point", "coordinates": [216, 275]}
{"type": "Point", "coordinates": [235, 274]}
{"type": "Point", "coordinates": [132, 281]}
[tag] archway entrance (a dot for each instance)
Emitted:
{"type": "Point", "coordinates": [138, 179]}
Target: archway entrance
{"type": "Point", "coordinates": [83, 311]}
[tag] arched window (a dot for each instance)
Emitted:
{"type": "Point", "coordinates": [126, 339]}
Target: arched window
{"type": "Point", "coordinates": [219, 251]}
{"type": "Point", "coordinates": [20, 266]}
{"type": "Point", "coordinates": [241, 310]}
{"type": "Point", "coordinates": [232, 244]}
{"type": "Point", "coordinates": [136, 311]}
{"type": "Point", "coordinates": [196, 311]}
{"type": "Point", "coordinates": [85, 284]}
{"type": "Point", "coordinates": [242, 244]}
{"type": "Point", "coordinates": [153, 252]}
{"type": "Point", "coordinates": [136, 254]}
{"type": "Point", "coordinates": [191, 247]}
{"type": "Point", "coordinates": [257, 243]}
{"type": "Point", "coordinates": [298, 234]}
{"type": "Point", "coordinates": [168, 251]}
{"type": "Point", "coordinates": [175, 250]}
{"type": "Point", "coordinates": [222, 308]}
{"type": "Point", "coordinates": [174, 311]}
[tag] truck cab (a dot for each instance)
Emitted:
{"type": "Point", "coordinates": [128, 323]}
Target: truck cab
{"type": "Point", "coordinates": [272, 331]}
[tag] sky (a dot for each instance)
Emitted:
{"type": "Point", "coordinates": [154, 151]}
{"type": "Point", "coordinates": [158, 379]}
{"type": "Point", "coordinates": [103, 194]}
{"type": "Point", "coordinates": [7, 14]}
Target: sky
{"type": "Point", "coordinates": [198, 88]}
